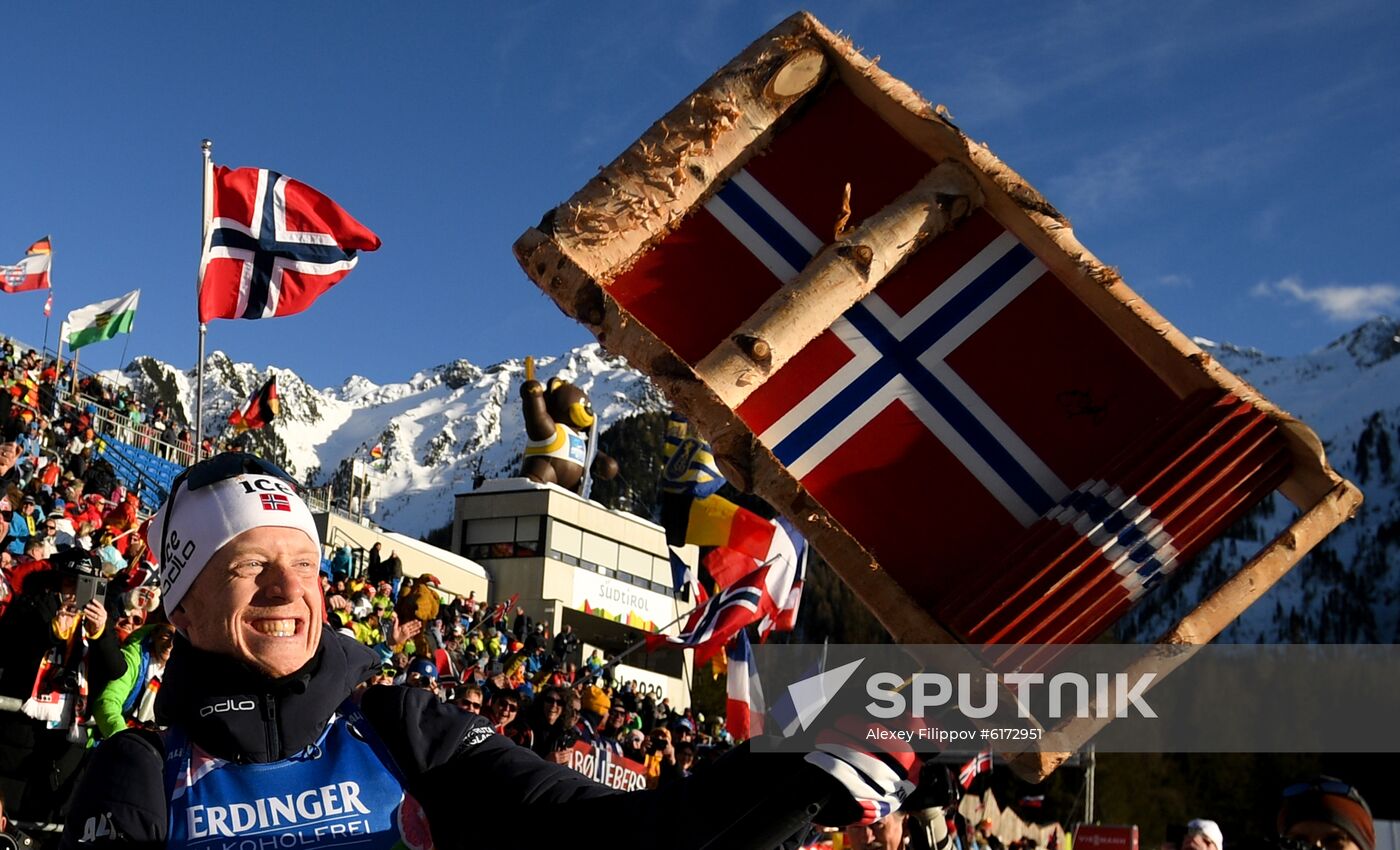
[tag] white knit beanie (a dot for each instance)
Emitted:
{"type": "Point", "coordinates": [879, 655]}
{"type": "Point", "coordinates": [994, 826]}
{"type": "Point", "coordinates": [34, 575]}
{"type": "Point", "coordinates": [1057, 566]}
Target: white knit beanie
{"type": "Point", "coordinates": [204, 520]}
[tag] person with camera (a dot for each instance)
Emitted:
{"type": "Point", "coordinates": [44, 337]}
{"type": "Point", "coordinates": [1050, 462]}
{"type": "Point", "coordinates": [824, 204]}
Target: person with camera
{"type": "Point", "coordinates": [59, 650]}
{"type": "Point", "coordinates": [265, 748]}
{"type": "Point", "coordinates": [11, 836]}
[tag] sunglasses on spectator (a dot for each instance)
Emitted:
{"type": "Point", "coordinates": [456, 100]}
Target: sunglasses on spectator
{"type": "Point", "coordinates": [473, 704]}
{"type": "Point", "coordinates": [552, 701]}
{"type": "Point", "coordinates": [220, 467]}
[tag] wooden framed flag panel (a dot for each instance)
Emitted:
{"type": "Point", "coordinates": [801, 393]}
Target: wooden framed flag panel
{"type": "Point", "coordinates": [898, 343]}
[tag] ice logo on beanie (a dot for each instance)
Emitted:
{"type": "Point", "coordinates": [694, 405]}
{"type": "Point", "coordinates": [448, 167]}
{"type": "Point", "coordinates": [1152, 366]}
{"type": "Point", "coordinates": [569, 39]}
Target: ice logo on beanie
{"type": "Point", "coordinates": [178, 557]}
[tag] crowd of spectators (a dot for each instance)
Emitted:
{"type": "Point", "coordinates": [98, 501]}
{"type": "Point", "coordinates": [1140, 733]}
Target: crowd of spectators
{"type": "Point", "coordinates": [534, 686]}
{"type": "Point", "coordinates": [38, 388]}
{"type": "Point", "coordinates": [77, 584]}
{"type": "Point", "coordinates": [84, 646]}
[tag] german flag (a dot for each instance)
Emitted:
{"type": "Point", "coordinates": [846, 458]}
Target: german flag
{"type": "Point", "coordinates": [260, 408]}
{"type": "Point", "coordinates": [43, 246]}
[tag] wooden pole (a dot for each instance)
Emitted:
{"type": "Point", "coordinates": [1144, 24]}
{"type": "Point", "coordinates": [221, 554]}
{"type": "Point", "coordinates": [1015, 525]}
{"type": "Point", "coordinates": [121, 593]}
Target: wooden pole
{"type": "Point", "coordinates": [836, 278]}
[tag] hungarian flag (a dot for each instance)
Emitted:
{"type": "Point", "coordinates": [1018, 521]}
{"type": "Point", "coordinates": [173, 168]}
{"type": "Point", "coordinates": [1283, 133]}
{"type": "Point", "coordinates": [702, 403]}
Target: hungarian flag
{"type": "Point", "coordinates": [274, 246]}
{"type": "Point", "coordinates": [30, 273]}
{"type": "Point", "coordinates": [101, 321]}
{"type": "Point", "coordinates": [260, 408]}
{"type": "Point", "coordinates": [981, 763]}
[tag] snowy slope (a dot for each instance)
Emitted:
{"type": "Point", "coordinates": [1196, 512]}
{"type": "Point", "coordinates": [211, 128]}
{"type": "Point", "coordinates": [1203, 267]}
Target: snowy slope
{"type": "Point", "coordinates": [439, 428]}
{"type": "Point", "coordinates": [1348, 590]}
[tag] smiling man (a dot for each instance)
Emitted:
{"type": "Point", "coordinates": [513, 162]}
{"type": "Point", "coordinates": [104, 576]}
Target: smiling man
{"type": "Point", "coordinates": [265, 748]}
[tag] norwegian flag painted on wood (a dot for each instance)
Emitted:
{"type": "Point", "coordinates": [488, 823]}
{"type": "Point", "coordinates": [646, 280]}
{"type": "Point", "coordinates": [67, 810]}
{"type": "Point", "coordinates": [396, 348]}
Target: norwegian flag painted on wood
{"type": "Point", "coordinates": [275, 245]}
{"type": "Point", "coordinates": [947, 411]}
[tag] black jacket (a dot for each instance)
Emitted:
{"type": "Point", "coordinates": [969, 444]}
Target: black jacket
{"type": "Point", "coordinates": [26, 635]}
{"type": "Point", "coordinates": [478, 789]}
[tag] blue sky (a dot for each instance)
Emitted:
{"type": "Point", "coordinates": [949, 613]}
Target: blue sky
{"type": "Point", "coordinates": [1238, 162]}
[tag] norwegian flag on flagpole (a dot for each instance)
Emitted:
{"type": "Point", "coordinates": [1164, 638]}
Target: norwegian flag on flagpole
{"type": "Point", "coordinates": [981, 763]}
{"type": "Point", "coordinates": [274, 246]}
{"type": "Point", "coordinates": [712, 624]}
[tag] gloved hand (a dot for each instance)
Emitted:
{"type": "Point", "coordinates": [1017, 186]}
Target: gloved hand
{"type": "Point", "coordinates": [877, 770]}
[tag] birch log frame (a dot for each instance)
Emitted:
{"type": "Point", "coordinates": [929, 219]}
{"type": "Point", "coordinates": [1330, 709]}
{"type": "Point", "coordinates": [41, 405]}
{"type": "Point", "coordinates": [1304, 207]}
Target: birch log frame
{"type": "Point", "coordinates": [580, 247]}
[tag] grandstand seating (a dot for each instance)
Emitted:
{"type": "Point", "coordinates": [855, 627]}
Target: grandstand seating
{"type": "Point", "coordinates": [150, 476]}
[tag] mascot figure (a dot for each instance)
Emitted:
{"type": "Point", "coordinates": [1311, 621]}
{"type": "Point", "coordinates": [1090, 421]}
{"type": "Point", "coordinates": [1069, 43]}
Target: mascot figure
{"type": "Point", "coordinates": [561, 427]}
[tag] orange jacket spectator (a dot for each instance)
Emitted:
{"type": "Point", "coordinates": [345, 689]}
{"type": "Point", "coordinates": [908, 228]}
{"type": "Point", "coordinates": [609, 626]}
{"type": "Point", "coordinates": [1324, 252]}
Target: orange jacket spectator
{"type": "Point", "coordinates": [123, 516]}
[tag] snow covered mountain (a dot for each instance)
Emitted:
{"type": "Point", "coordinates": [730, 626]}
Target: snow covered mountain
{"type": "Point", "coordinates": [445, 425]}
{"type": "Point", "coordinates": [439, 428]}
{"type": "Point", "coordinates": [1348, 589]}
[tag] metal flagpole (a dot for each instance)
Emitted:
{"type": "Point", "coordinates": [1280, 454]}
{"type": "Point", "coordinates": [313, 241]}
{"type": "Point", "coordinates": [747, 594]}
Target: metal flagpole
{"type": "Point", "coordinates": [207, 213]}
{"type": "Point", "coordinates": [1089, 787]}
{"type": "Point", "coordinates": [48, 313]}
{"type": "Point", "coordinates": [62, 333]}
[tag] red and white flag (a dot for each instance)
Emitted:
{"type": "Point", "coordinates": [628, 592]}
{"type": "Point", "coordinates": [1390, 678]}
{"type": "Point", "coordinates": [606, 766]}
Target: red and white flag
{"type": "Point", "coordinates": [981, 763]}
{"type": "Point", "coordinates": [786, 557]}
{"type": "Point", "coordinates": [30, 273]}
{"type": "Point", "coordinates": [712, 624]}
{"type": "Point", "coordinates": [275, 245]}
{"type": "Point", "coordinates": [48, 305]}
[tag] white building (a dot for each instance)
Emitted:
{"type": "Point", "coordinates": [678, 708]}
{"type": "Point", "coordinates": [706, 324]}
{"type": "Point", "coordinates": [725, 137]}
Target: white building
{"type": "Point", "coordinates": [574, 562]}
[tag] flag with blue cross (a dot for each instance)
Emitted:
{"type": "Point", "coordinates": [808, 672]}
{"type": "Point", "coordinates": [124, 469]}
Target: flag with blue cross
{"type": "Point", "coordinates": [274, 246]}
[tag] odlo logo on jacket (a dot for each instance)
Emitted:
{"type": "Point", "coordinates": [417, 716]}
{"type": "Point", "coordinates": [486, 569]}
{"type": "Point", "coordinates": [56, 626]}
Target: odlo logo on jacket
{"type": "Point", "coordinates": [227, 705]}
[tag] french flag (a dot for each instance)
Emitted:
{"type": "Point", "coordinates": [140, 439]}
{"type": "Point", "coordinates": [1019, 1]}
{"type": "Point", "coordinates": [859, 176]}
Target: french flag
{"type": "Point", "coordinates": [743, 717]}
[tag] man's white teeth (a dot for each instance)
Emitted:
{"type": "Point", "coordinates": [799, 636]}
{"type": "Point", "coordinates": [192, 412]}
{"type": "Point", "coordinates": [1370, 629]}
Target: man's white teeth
{"type": "Point", "coordinates": [276, 628]}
